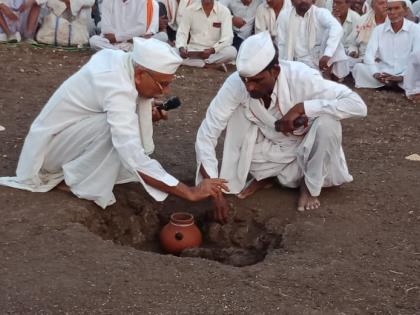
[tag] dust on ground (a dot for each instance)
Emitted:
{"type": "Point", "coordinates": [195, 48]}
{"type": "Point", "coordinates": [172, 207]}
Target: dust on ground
{"type": "Point", "coordinates": [359, 253]}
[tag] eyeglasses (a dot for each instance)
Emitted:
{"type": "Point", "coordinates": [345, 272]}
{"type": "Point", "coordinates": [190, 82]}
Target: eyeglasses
{"type": "Point", "coordinates": [158, 84]}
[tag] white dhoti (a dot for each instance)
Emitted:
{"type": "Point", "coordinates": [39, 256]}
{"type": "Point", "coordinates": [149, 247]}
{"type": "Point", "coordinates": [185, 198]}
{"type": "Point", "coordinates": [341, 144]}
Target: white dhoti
{"type": "Point", "coordinates": [412, 75]}
{"type": "Point", "coordinates": [363, 76]}
{"type": "Point", "coordinates": [225, 55]}
{"type": "Point", "coordinates": [83, 156]}
{"type": "Point", "coordinates": [98, 42]}
{"type": "Point", "coordinates": [319, 158]}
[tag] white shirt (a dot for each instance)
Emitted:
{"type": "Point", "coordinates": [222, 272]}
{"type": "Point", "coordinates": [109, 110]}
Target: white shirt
{"type": "Point", "coordinates": [349, 28]}
{"type": "Point", "coordinates": [416, 8]}
{"type": "Point", "coordinates": [296, 83]}
{"type": "Point", "coordinates": [328, 34]}
{"type": "Point", "coordinates": [393, 49]}
{"type": "Point", "coordinates": [103, 86]}
{"type": "Point", "coordinates": [175, 10]}
{"type": "Point", "coordinates": [214, 31]}
{"type": "Point", "coordinates": [246, 12]}
{"type": "Point", "coordinates": [128, 19]}
{"type": "Point", "coordinates": [266, 19]}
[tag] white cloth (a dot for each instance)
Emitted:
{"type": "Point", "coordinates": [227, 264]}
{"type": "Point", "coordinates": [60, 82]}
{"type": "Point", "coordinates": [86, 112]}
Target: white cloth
{"type": "Point", "coordinates": [246, 12]}
{"type": "Point", "coordinates": [226, 55]}
{"type": "Point", "coordinates": [416, 8]}
{"type": "Point", "coordinates": [307, 39]}
{"type": "Point", "coordinates": [266, 19]}
{"type": "Point", "coordinates": [14, 26]}
{"type": "Point", "coordinates": [125, 20]}
{"type": "Point", "coordinates": [93, 112]}
{"type": "Point", "coordinates": [412, 75]}
{"type": "Point", "coordinates": [66, 27]}
{"type": "Point", "coordinates": [255, 54]}
{"type": "Point", "coordinates": [155, 55]}
{"type": "Point", "coordinates": [349, 28]}
{"type": "Point", "coordinates": [175, 11]}
{"type": "Point", "coordinates": [198, 32]}
{"type": "Point", "coordinates": [392, 49]}
{"type": "Point", "coordinates": [246, 119]}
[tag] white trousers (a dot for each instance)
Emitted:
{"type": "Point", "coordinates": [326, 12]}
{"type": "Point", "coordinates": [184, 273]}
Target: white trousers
{"type": "Point", "coordinates": [412, 75]}
{"type": "Point", "coordinates": [319, 159]}
{"type": "Point", "coordinates": [225, 55]}
{"type": "Point", "coordinates": [89, 162]}
{"type": "Point", "coordinates": [363, 76]}
{"type": "Point", "coordinates": [98, 42]}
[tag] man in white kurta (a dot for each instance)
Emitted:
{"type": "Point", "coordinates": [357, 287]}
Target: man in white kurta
{"type": "Point", "coordinates": [388, 50]}
{"type": "Point", "coordinates": [66, 23]}
{"type": "Point", "coordinates": [266, 16]}
{"type": "Point", "coordinates": [375, 15]}
{"type": "Point", "coordinates": [312, 35]}
{"type": "Point", "coordinates": [412, 77]}
{"type": "Point", "coordinates": [258, 106]}
{"type": "Point", "coordinates": [124, 19]}
{"type": "Point", "coordinates": [175, 10]}
{"type": "Point", "coordinates": [348, 20]}
{"type": "Point", "coordinates": [204, 37]}
{"type": "Point", "coordinates": [96, 130]}
{"type": "Point", "coordinates": [243, 18]}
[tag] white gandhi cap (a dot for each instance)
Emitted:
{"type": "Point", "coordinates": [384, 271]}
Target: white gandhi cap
{"type": "Point", "coordinates": [255, 53]}
{"type": "Point", "coordinates": [155, 55]}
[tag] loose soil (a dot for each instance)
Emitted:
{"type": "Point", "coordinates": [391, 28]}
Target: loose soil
{"type": "Point", "coordinates": [358, 254]}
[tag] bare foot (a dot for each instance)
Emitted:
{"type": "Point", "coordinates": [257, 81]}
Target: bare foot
{"type": "Point", "coordinates": [253, 186]}
{"type": "Point", "coordinates": [414, 98]}
{"type": "Point", "coordinates": [63, 187]}
{"type": "Point", "coordinates": [306, 201]}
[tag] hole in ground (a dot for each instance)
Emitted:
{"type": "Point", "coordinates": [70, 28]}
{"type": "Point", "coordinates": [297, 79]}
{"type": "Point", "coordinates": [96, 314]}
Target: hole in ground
{"type": "Point", "coordinates": [254, 229]}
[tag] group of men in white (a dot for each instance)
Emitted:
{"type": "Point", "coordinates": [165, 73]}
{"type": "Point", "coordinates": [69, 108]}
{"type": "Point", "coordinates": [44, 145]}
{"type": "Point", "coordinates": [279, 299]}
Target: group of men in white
{"type": "Point", "coordinates": [281, 109]}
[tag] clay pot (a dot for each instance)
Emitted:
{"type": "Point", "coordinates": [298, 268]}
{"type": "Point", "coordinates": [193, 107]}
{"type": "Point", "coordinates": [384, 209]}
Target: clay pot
{"type": "Point", "coordinates": [180, 233]}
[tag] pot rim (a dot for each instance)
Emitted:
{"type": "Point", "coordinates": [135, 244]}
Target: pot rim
{"type": "Point", "coordinates": [182, 218]}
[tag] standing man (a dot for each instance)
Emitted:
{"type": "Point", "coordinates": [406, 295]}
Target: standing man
{"type": "Point", "coordinates": [388, 50]}
{"type": "Point", "coordinates": [122, 20]}
{"type": "Point", "coordinates": [267, 14]}
{"type": "Point", "coordinates": [258, 106]}
{"type": "Point", "coordinates": [312, 35]}
{"type": "Point", "coordinates": [93, 135]}
{"type": "Point", "coordinates": [204, 37]}
{"type": "Point", "coordinates": [243, 18]}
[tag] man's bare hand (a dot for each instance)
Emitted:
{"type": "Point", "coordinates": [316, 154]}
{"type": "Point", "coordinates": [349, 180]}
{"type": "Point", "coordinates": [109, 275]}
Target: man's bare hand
{"type": "Point", "coordinates": [111, 38]}
{"type": "Point", "coordinates": [183, 52]}
{"type": "Point", "coordinates": [209, 187]}
{"type": "Point", "coordinates": [238, 21]}
{"type": "Point", "coordinates": [387, 79]}
{"type": "Point", "coordinates": [286, 123]}
{"type": "Point", "coordinates": [221, 208]}
{"type": "Point", "coordinates": [159, 114]}
{"type": "Point", "coordinates": [207, 53]}
{"type": "Point", "coordinates": [323, 63]}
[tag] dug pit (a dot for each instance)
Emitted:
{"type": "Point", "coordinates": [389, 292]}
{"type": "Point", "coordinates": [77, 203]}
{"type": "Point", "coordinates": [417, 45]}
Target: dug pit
{"type": "Point", "coordinates": [255, 225]}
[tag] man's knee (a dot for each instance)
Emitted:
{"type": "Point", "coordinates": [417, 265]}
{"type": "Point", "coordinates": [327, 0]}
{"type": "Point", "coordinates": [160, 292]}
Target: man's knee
{"type": "Point", "coordinates": [327, 128]}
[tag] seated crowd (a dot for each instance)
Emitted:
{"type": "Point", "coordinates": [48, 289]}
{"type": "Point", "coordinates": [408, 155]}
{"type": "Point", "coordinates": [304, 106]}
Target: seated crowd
{"type": "Point", "coordinates": [377, 41]}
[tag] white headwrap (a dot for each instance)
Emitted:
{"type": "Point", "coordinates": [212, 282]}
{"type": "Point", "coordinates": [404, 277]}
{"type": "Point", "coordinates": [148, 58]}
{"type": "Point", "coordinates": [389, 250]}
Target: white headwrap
{"type": "Point", "coordinates": [155, 55]}
{"type": "Point", "coordinates": [255, 53]}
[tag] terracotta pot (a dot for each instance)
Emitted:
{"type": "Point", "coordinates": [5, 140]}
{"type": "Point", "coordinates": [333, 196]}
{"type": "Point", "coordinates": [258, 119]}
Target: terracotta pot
{"type": "Point", "coordinates": [180, 233]}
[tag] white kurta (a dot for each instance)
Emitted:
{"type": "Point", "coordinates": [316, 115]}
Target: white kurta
{"type": "Point", "coordinates": [90, 135]}
{"type": "Point", "coordinates": [175, 10]}
{"type": "Point", "coordinates": [246, 12]}
{"type": "Point", "coordinates": [66, 27]}
{"type": "Point", "coordinates": [198, 31]}
{"type": "Point", "coordinates": [412, 75]}
{"type": "Point", "coordinates": [266, 19]}
{"type": "Point", "coordinates": [253, 145]}
{"type": "Point", "coordinates": [349, 28]}
{"type": "Point", "coordinates": [125, 20]}
{"type": "Point", "coordinates": [308, 38]}
{"type": "Point", "coordinates": [392, 49]}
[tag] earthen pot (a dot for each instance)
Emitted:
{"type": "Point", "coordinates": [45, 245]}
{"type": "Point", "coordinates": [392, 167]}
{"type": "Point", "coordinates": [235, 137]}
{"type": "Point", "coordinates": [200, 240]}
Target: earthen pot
{"type": "Point", "coordinates": [180, 233]}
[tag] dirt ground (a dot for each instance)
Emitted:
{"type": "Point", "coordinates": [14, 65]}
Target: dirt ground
{"type": "Point", "coordinates": [358, 254]}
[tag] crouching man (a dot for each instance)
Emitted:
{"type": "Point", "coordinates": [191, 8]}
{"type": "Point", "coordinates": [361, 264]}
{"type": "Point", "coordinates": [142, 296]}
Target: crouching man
{"type": "Point", "coordinates": [265, 107]}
